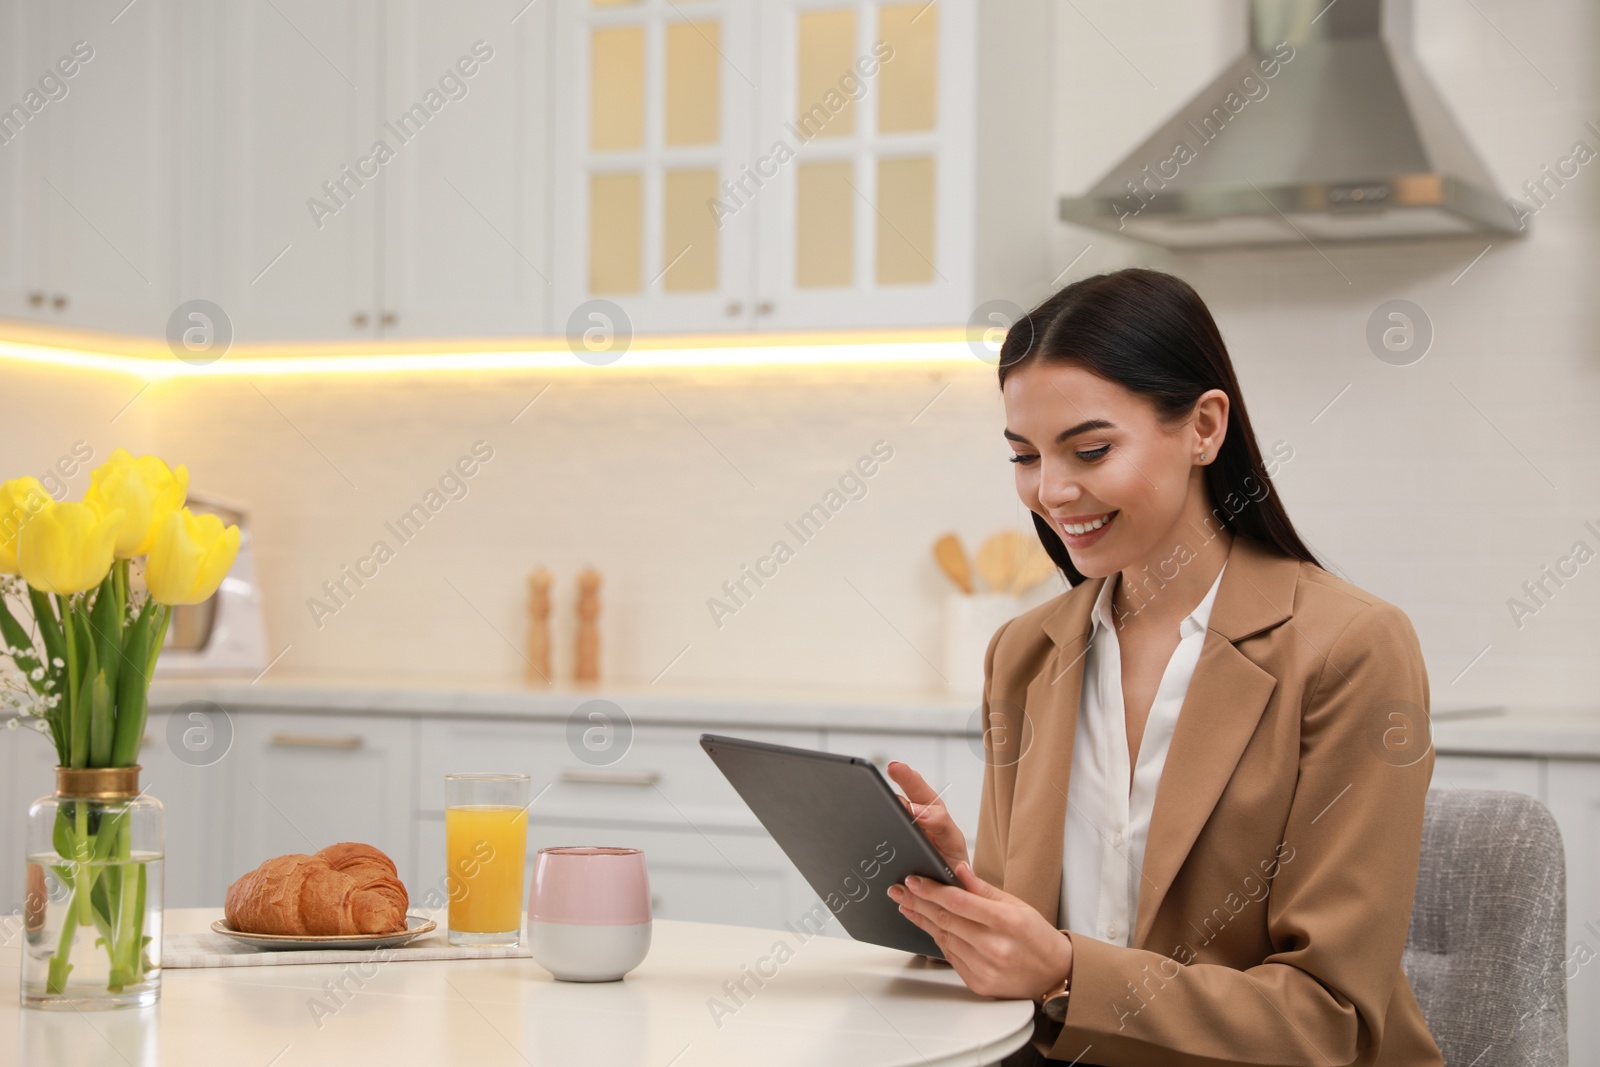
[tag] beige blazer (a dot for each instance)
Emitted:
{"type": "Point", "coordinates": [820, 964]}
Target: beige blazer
{"type": "Point", "coordinates": [1282, 857]}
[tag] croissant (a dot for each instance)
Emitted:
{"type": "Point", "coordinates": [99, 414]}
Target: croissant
{"type": "Point", "coordinates": [348, 888]}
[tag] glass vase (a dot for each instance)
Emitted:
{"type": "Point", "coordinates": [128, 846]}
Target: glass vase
{"type": "Point", "coordinates": [96, 851]}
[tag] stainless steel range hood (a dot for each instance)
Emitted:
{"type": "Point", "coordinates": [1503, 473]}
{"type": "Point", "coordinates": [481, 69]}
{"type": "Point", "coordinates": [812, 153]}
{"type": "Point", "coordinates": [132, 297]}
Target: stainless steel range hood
{"type": "Point", "coordinates": [1324, 129]}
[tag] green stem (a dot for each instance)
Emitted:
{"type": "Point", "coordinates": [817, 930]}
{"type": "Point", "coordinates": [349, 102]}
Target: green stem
{"type": "Point", "coordinates": [61, 962]}
{"type": "Point", "coordinates": [82, 879]}
{"type": "Point", "coordinates": [160, 638]}
{"type": "Point", "coordinates": [129, 923]}
{"type": "Point", "coordinates": [77, 711]}
{"type": "Point", "coordinates": [120, 570]}
{"type": "Point", "coordinates": [140, 959]}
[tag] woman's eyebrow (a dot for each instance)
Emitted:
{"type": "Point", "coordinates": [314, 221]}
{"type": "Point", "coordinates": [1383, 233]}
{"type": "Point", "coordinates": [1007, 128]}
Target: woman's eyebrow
{"type": "Point", "coordinates": [1070, 432]}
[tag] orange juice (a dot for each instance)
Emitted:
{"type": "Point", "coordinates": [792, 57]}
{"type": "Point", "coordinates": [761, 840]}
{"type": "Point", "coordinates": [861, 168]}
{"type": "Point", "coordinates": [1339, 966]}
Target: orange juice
{"type": "Point", "coordinates": [486, 846]}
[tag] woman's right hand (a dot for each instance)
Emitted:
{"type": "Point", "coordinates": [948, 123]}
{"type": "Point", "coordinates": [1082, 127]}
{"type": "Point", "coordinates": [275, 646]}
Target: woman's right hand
{"type": "Point", "coordinates": [929, 812]}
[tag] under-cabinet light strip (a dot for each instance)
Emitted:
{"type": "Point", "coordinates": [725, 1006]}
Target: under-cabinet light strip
{"type": "Point", "coordinates": [640, 357]}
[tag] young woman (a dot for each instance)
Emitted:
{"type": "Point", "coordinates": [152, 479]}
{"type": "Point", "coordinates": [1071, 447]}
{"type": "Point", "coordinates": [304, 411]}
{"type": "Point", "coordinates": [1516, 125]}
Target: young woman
{"type": "Point", "coordinates": [1206, 761]}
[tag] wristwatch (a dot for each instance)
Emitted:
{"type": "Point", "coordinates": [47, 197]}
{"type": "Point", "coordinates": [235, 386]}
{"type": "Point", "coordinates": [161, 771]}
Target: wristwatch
{"type": "Point", "coordinates": [1054, 1004]}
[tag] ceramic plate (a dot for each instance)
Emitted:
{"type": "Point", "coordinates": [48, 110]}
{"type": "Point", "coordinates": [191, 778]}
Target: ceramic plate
{"type": "Point", "coordinates": [416, 926]}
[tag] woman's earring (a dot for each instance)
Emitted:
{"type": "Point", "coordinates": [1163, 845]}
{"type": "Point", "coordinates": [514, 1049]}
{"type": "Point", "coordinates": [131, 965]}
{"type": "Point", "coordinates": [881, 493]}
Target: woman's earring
{"type": "Point", "coordinates": [1202, 457]}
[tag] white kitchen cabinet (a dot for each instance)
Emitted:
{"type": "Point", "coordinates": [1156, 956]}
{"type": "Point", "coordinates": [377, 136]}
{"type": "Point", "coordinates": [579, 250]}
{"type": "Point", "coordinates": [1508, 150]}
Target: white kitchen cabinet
{"type": "Point", "coordinates": [464, 247]}
{"type": "Point", "coordinates": [963, 768]}
{"type": "Point", "coordinates": [297, 226]}
{"type": "Point", "coordinates": [864, 163]}
{"type": "Point", "coordinates": [705, 165]}
{"type": "Point", "coordinates": [1574, 800]}
{"type": "Point", "coordinates": [299, 783]}
{"type": "Point", "coordinates": [27, 764]}
{"type": "Point", "coordinates": [89, 177]}
{"type": "Point", "coordinates": [384, 170]}
{"type": "Point", "coordinates": [657, 108]}
{"type": "Point", "coordinates": [24, 58]}
{"type": "Point", "coordinates": [872, 222]}
{"type": "Point", "coordinates": [198, 808]}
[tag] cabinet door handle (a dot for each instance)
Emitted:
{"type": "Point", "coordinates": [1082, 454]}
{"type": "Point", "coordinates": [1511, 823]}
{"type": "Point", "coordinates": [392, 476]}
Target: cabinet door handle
{"type": "Point", "coordinates": [359, 319]}
{"type": "Point", "coordinates": [59, 301]}
{"type": "Point", "coordinates": [389, 318]}
{"type": "Point", "coordinates": [735, 308]}
{"type": "Point", "coordinates": [36, 300]}
{"type": "Point", "coordinates": [602, 777]}
{"type": "Point", "coordinates": [317, 740]}
{"type": "Point", "coordinates": [764, 308]}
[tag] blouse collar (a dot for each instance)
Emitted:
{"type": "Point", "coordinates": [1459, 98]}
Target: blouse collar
{"type": "Point", "coordinates": [1192, 623]}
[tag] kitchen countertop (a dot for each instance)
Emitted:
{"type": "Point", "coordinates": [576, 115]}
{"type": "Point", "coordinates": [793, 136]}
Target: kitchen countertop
{"type": "Point", "coordinates": [830, 1000]}
{"type": "Point", "coordinates": [1571, 732]}
{"type": "Point", "coordinates": [912, 710]}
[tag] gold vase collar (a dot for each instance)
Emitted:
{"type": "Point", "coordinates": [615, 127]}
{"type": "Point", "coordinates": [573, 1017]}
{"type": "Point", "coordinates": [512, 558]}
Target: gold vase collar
{"type": "Point", "coordinates": [97, 783]}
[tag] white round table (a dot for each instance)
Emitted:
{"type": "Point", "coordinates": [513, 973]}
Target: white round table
{"type": "Point", "coordinates": [834, 1001]}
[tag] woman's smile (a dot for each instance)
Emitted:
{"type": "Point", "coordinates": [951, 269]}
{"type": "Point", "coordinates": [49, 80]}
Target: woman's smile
{"type": "Point", "coordinates": [1081, 531]}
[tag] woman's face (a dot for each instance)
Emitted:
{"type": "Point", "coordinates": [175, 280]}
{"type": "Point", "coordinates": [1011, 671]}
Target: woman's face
{"type": "Point", "coordinates": [1090, 451]}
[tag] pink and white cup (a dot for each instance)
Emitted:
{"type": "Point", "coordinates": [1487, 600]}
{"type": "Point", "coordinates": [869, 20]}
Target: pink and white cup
{"type": "Point", "coordinates": [589, 912]}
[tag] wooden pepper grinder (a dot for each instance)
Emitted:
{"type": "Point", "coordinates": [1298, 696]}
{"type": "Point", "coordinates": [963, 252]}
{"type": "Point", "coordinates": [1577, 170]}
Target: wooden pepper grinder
{"type": "Point", "coordinates": [539, 627]}
{"type": "Point", "coordinates": [586, 670]}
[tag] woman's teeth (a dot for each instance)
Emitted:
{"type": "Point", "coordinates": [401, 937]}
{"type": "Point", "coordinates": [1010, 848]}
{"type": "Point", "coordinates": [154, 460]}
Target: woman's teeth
{"type": "Point", "coordinates": [1085, 527]}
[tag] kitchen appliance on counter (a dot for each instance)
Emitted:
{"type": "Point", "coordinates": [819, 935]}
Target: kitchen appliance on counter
{"type": "Point", "coordinates": [226, 634]}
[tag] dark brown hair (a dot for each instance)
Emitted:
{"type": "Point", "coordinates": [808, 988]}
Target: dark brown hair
{"type": "Point", "coordinates": [1152, 334]}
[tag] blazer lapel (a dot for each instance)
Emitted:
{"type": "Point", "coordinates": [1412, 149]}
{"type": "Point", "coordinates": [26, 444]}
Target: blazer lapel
{"type": "Point", "coordinates": [1223, 704]}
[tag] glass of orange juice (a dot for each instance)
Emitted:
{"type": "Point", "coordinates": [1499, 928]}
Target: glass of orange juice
{"type": "Point", "coordinates": [486, 849]}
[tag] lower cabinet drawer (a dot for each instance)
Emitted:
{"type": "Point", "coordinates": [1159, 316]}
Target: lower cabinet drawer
{"type": "Point", "coordinates": [655, 776]}
{"type": "Point", "coordinates": [301, 782]}
{"type": "Point", "coordinates": [744, 879]}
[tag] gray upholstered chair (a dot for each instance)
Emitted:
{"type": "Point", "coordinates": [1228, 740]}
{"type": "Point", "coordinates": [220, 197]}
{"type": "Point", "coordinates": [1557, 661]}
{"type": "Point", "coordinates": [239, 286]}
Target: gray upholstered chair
{"type": "Point", "coordinates": [1487, 948]}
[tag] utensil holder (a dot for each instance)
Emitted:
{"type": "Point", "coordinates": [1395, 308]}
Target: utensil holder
{"type": "Point", "coordinates": [970, 620]}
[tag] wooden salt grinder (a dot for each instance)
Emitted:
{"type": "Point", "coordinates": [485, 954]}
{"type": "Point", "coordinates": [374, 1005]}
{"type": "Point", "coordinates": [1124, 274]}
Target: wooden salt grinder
{"type": "Point", "coordinates": [586, 670]}
{"type": "Point", "coordinates": [538, 672]}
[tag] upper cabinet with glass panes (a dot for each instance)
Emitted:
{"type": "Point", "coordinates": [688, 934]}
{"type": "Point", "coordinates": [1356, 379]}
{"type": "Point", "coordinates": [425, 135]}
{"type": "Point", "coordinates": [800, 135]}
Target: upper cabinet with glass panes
{"type": "Point", "coordinates": [792, 164]}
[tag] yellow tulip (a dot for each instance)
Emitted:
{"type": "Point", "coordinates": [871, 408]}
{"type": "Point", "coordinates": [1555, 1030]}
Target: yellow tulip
{"type": "Point", "coordinates": [67, 548]}
{"type": "Point", "coordinates": [145, 489]}
{"type": "Point", "coordinates": [189, 558]}
{"type": "Point", "coordinates": [20, 500]}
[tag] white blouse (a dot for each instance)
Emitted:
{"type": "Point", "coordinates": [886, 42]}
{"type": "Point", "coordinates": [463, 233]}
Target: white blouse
{"type": "Point", "coordinates": [1108, 817]}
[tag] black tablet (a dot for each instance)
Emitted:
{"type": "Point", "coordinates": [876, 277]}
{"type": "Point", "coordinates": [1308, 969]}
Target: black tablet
{"type": "Point", "coordinates": [841, 823]}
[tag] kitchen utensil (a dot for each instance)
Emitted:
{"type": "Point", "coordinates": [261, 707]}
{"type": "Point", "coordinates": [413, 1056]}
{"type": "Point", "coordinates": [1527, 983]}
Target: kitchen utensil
{"type": "Point", "coordinates": [997, 558]}
{"type": "Point", "coordinates": [1031, 567]}
{"type": "Point", "coordinates": [969, 623]}
{"type": "Point", "coordinates": [953, 561]}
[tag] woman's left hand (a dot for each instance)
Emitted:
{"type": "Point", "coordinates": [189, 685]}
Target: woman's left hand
{"type": "Point", "coordinates": [999, 945]}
